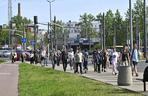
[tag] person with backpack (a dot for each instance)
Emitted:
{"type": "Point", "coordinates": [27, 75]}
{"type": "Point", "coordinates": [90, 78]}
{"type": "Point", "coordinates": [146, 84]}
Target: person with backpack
{"type": "Point", "coordinates": [135, 59]}
{"type": "Point", "coordinates": [104, 60]}
{"type": "Point", "coordinates": [99, 60]}
{"type": "Point", "coordinates": [85, 63]}
{"type": "Point", "coordinates": [78, 60]}
{"type": "Point", "coordinates": [94, 60]}
{"type": "Point", "coordinates": [64, 56]}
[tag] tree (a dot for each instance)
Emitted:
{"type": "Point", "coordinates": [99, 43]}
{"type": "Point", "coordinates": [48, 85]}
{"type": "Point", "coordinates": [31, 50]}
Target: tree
{"type": "Point", "coordinates": [109, 26]}
{"type": "Point", "coordinates": [20, 24]}
{"type": "Point", "coordinates": [4, 39]}
{"type": "Point", "coordinates": [138, 17]}
{"type": "Point", "coordinates": [58, 34]}
{"type": "Point", "coordinates": [86, 25]}
{"type": "Point", "coordinates": [137, 14]}
{"type": "Point", "coordinates": [118, 26]}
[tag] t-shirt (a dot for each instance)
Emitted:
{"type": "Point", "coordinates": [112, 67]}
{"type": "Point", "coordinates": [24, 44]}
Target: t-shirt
{"type": "Point", "coordinates": [43, 53]}
{"type": "Point", "coordinates": [71, 55]}
{"type": "Point", "coordinates": [79, 57]}
{"type": "Point", "coordinates": [135, 55]}
{"type": "Point", "coordinates": [114, 57]}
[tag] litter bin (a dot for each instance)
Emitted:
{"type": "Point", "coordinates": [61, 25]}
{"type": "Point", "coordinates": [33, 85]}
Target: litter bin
{"type": "Point", "coordinates": [145, 77]}
{"type": "Point", "coordinates": [125, 76]}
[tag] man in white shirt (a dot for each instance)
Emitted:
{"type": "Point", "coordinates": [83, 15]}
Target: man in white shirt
{"type": "Point", "coordinates": [114, 61]}
{"type": "Point", "coordinates": [78, 60]}
{"type": "Point", "coordinates": [71, 58]}
{"type": "Point", "coordinates": [44, 57]}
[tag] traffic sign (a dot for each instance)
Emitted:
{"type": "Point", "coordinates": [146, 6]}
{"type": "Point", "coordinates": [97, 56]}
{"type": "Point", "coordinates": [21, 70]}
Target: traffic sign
{"type": "Point", "coordinates": [24, 40]}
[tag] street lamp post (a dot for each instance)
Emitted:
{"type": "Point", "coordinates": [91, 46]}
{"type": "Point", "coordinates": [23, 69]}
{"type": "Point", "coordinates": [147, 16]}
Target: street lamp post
{"type": "Point", "coordinates": [145, 33]}
{"type": "Point", "coordinates": [104, 38]}
{"type": "Point", "coordinates": [114, 38]}
{"type": "Point", "coordinates": [131, 26]}
{"type": "Point", "coordinates": [50, 23]}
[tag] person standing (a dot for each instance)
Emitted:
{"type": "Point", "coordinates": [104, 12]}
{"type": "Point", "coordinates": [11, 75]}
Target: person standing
{"type": "Point", "coordinates": [22, 57]}
{"type": "Point", "coordinates": [95, 60]}
{"type": "Point", "coordinates": [114, 61]}
{"type": "Point", "coordinates": [64, 55]}
{"type": "Point", "coordinates": [78, 60]}
{"type": "Point", "coordinates": [71, 58]}
{"type": "Point", "coordinates": [99, 60]}
{"type": "Point", "coordinates": [31, 57]}
{"type": "Point", "coordinates": [85, 63]}
{"type": "Point", "coordinates": [58, 57]}
{"type": "Point", "coordinates": [13, 55]}
{"type": "Point", "coordinates": [44, 57]}
{"type": "Point", "coordinates": [104, 64]}
{"type": "Point", "coordinates": [54, 58]}
{"type": "Point", "coordinates": [135, 59]}
{"type": "Point", "coordinates": [125, 56]}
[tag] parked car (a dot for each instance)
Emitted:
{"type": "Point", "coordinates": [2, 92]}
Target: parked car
{"type": "Point", "coordinates": [1, 53]}
{"type": "Point", "coordinates": [7, 53]}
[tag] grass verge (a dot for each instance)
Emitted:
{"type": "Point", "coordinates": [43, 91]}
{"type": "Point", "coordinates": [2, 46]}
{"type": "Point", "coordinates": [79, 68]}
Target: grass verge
{"type": "Point", "coordinates": [38, 81]}
{"type": "Point", "coordinates": [1, 61]}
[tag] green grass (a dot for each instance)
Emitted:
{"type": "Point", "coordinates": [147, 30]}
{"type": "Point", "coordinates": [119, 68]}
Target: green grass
{"type": "Point", "coordinates": [39, 81]}
{"type": "Point", "coordinates": [1, 61]}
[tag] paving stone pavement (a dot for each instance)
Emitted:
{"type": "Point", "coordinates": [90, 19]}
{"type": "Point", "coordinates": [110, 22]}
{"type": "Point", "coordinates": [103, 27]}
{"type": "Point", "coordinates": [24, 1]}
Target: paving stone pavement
{"type": "Point", "coordinates": [9, 79]}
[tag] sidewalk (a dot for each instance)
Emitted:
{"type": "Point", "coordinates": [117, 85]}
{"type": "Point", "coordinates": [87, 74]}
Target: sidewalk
{"type": "Point", "coordinates": [9, 79]}
{"type": "Point", "coordinates": [108, 78]}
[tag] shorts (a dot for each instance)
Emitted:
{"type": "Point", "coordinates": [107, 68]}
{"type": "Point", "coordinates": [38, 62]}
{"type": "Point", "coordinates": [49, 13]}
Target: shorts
{"type": "Point", "coordinates": [135, 63]}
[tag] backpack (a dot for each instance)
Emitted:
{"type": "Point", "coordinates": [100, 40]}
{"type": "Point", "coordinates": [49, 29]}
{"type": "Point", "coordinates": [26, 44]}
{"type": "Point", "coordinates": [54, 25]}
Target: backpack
{"type": "Point", "coordinates": [100, 57]}
{"type": "Point", "coordinates": [85, 56]}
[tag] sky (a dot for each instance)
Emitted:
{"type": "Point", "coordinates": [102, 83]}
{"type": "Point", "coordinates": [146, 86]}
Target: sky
{"type": "Point", "coordinates": [64, 10]}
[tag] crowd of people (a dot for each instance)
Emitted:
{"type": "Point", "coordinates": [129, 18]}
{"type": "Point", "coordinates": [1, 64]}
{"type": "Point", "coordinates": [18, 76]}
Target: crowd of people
{"type": "Point", "coordinates": [101, 59]}
{"type": "Point", "coordinates": [79, 59]}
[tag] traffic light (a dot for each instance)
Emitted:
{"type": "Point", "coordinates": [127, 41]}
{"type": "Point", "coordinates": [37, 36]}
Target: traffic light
{"type": "Point", "coordinates": [35, 20]}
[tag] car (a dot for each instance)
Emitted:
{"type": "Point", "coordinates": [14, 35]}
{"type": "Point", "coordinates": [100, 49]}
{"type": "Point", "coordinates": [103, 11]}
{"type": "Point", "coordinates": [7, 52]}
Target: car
{"type": "Point", "coordinates": [1, 53]}
{"type": "Point", "coordinates": [7, 53]}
